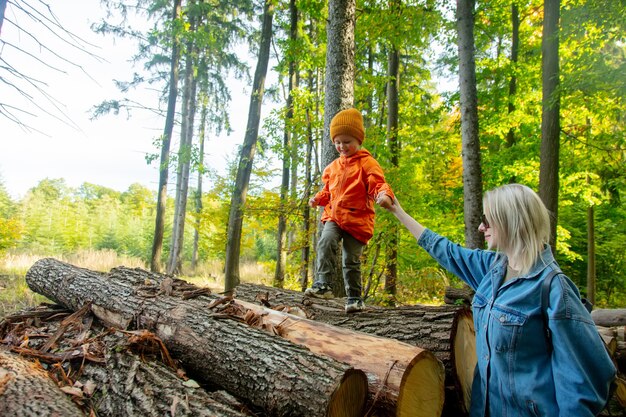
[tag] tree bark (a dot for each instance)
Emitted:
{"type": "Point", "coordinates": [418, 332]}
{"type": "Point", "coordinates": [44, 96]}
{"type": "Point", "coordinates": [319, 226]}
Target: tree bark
{"type": "Point", "coordinates": [159, 226]}
{"type": "Point", "coordinates": [339, 85]}
{"type": "Point", "coordinates": [272, 373]}
{"type": "Point", "coordinates": [287, 151]}
{"type": "Point", "coordinates": [26, 390]}
{"type": "Point", "coordinates": [120, 374]}
{"type": "Point", "coordinates": [131, 385]}
{"type": "Point", "coordinates": [454, 295]}
{"type": "Point", "coordinates": [393, 90]}
{"type": "Point", "coordinates": [515, 22]}
{"type": "Point", "coordinates": [174, 262]}
{"type": "Point", "coordinates": [198, 192]}
{"type": "Point", "coordinates": [472, 175]}
{"type": "Point", "coordinates": [550, 124]}
{"type": "Point", "coordinates": [609, 317]}
{"type": "Point", "coordinates": [306, 211]}
{"type": "Point", "coordinates": [445, 331]}
{"type": "Point", "coordinates": [591, 252]}
{"type": "Point", "coordinates": [246, 159]}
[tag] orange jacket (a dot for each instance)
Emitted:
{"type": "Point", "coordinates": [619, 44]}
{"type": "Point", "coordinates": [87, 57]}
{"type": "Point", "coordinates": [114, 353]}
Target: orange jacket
{"type": "Point", "coordinates": [350, 188]}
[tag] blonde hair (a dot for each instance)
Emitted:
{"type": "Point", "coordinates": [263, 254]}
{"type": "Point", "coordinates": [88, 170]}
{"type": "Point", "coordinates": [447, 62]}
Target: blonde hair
{"type": "Point", "coordinates": [522, 222]}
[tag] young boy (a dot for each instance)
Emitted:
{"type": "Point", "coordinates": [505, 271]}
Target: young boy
{"type": "Point", "coordinates": [352, 183]}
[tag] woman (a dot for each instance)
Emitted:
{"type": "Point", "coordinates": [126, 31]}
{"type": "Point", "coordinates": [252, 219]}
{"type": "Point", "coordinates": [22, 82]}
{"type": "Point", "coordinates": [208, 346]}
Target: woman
{"type": "Point", "coordinates": [518, 373]}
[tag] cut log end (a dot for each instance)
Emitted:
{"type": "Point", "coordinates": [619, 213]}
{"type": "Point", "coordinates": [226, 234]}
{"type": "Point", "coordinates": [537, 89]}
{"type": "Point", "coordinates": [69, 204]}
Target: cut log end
{"type": "Point", "coordinates": [349, 398]}
{"type": "Point", "coordinates": [465, 356]}
{"type": "Point", "coordinates": [422, 393]}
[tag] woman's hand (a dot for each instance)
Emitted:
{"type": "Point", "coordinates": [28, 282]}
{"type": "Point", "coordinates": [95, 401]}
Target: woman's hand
{"type": "Point", "coordinates": [313, 202]}
{"type": "Point", "coordinates": [383, 200]}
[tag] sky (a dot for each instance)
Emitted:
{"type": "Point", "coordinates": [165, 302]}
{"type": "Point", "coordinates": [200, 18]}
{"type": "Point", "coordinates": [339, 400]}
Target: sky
{"type": "Point", "coordinates": [109, 151]}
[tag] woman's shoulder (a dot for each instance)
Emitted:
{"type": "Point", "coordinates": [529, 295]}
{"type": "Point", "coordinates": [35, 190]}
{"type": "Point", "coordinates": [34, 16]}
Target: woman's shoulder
{"type": "Point", "coordinates": [564, 296]}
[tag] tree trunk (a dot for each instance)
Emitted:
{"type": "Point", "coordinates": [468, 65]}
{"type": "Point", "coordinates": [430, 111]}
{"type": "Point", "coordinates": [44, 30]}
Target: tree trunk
{"type": "Point", "coordinates": [26, 390]}
{"type": "Point", "coordinates": [472, 175]}
{"type": "Point", "coordinates": [550, 124]}
{"type": "Point", "coordinates": [591, 253]}
{"type": "Point", "coordinates": [403, 379]}
{"type": "Point", "coordinates": [393, 88]}
{"type": "Point", "coordinates": [510, 137]}
{"type": "Point", "coordinates": [270, 372]}
{"type": "Point", "coordinates": [445, 331]}
{"type": "Point", "coordinates": [244, 170]}
{"type": "Point", "coordinates": [159, 227]}
{"type": "Point", "coordinates": [339, 86]}
{"type": "Point", "coordinates": [306, 215]}
{"type": "Point", "coordinates": [281, 255]}
{"type": "Point", "coordinates": [174, 262]}
{"type": "Point", "coordinates": [198, 193]}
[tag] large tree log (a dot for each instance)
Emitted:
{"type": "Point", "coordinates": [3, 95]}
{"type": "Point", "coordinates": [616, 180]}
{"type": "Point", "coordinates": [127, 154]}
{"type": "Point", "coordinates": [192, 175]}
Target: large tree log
{"type": "Point", "coordinates": [404, 379]}
{"type": "Point", "coordinates": [271, 373]}
{"type": "Point", "coordinates": [129, 385]}
{"type": "Point", "coordinates": [26, 390]}
{"type": "Point", "coordinates": [455, 295]}
{"type": "Point", "coordinates": [606, 317]}
{"type": "Point", "coordinates": [446, 331]}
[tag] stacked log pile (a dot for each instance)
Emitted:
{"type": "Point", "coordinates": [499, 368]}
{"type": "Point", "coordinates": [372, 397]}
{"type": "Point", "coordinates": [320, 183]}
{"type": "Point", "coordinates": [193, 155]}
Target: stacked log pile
{"type": "Point", "coordinates": [611, 324]}
{"type": "Point", "coordinates": [446, 331]}
{"type": "Point", "coordinates": [224, 344]}
{"type": "Point", "coordinates": [131, 342]}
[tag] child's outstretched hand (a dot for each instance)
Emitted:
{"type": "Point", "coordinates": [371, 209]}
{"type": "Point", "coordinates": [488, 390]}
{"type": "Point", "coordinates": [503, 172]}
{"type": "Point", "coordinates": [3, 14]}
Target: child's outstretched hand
{"type": "Point", "coordinates": [313, 202]}
{"type": "Point", "coordinates": [383, 200]}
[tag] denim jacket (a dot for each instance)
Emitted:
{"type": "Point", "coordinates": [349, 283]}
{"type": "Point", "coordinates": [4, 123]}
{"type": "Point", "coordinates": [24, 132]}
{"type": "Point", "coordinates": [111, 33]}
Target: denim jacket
{"type": "Point", "coordinates": [515, 374]}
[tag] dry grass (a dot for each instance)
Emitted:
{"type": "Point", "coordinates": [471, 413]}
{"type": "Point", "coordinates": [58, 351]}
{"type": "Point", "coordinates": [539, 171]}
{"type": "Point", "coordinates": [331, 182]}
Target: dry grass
{"type": "Point", "coordinates": [211, 274]}
{"type": "Point", "coordinates": [104, 261]}
{"type": "Point", "coordinates": [15, 294]}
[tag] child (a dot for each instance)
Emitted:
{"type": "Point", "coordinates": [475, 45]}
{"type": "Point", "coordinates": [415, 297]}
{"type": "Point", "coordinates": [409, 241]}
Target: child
{"type": "Point", "coordinates": [352, 183]}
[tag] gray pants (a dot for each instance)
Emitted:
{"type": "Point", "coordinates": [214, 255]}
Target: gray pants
{"type": "Point", "coordinates": [326, 252]}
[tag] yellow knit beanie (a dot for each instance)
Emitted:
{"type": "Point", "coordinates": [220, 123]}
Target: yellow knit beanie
{"type": "Point", "coordinates": [348, 122]}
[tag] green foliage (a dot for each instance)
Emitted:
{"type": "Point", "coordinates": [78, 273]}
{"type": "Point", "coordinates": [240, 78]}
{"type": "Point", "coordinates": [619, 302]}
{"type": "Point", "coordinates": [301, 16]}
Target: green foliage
{"type": "Point", "coordinates": [428, 178]}
{"type": "Point", "coordinates": [58, 219]}
{"type": "Point", "coordinates": [10, 232]}
{"type": "Point", "coordinates": [10, 226]}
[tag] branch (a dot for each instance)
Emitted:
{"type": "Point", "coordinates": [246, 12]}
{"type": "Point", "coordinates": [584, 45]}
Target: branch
{"type": "Point", "coordinates": [26, 16]}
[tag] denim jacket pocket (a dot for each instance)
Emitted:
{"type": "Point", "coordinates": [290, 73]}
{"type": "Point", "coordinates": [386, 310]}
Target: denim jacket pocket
{"type": "Point", "coordinates": [508, 328]}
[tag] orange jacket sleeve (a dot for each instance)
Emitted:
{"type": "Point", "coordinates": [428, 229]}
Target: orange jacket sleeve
{"type": "Point", "coordinates": [376, 180]}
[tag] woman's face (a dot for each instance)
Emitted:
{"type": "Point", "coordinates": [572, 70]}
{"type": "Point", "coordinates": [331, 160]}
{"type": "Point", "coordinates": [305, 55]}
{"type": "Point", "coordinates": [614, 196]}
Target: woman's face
{"type": "Point", "coordinates": [489, 232]}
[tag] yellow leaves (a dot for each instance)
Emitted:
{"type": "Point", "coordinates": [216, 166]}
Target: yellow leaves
{"type": "Point", "coordinates": [10, 233]}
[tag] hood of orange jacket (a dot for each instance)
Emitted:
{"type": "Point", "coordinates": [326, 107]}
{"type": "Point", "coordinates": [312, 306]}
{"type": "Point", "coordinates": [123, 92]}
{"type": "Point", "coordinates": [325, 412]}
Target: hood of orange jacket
{"type": "Point", "coordinates": [351, 185]}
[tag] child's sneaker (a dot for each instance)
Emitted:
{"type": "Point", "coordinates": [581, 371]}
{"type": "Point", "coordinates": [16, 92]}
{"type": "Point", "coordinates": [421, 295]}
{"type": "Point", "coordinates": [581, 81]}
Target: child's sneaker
{"type": "Point", "coordinates": [321, 291]}
{"type": "Point", "coordinates": [353, 306]}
